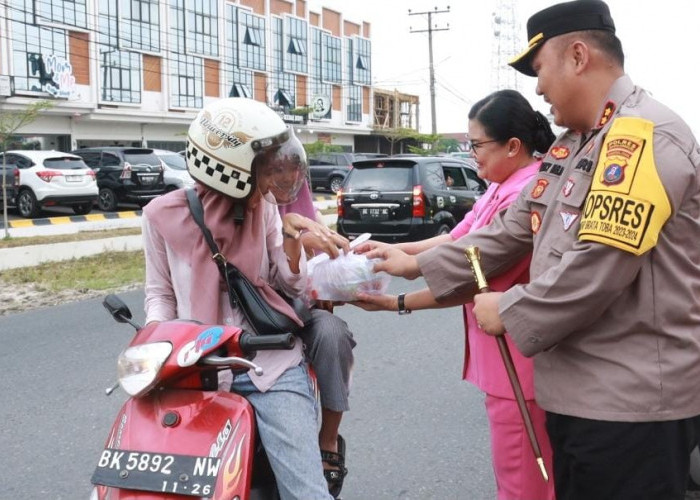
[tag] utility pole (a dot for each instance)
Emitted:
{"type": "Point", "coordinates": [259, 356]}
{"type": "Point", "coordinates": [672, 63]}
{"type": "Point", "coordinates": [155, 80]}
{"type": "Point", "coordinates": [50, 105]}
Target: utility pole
{"type": "Point", "coordinates": [430, 49]}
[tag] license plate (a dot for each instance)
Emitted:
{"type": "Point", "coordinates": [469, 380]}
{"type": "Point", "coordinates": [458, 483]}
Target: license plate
{"type": "Point", "coordinates": [148, 179]}
{"type": "Point", "coordinates": [74, 178]}
{"type": "Point", "coordinates": [375, 213]}
{"type": "Point", "coordinates": [161, 472]}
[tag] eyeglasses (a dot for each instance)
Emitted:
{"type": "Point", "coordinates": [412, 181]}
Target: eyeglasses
{"type": "Point", "coordinates": [474, 145]}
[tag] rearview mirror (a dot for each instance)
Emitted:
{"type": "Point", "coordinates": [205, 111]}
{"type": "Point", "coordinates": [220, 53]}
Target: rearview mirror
{"type": "Point", "coordinates": [117, 308]}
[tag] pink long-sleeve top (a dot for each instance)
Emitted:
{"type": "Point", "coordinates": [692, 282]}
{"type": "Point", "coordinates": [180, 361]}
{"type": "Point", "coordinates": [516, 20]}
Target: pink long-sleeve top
{"type": "Point", "coordinates": [482, 360]}
{"type": "Point", "coordinates": [168, 289]}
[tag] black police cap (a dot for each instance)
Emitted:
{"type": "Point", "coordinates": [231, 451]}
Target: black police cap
{"type": "Point", "coordinates": [579, 15]}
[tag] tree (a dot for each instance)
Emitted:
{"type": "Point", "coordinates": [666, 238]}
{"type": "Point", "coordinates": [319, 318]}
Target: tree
{"type": "Point", "coordinates": [397, 135]}
{"type": "Point", "coordinates": [321, 147]}
{"type": "Point", "coordinates": [433, 144]}
{"type": "Point", "coordinates": [10, 123]}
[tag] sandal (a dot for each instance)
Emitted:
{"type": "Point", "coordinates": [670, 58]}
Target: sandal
{"type": "Point", "coordinates": [335, 477]}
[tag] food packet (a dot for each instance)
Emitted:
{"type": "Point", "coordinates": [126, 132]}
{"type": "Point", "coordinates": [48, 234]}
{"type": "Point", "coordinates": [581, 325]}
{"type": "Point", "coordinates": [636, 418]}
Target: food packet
{"type": "Point", "coordinates": [342, 278]}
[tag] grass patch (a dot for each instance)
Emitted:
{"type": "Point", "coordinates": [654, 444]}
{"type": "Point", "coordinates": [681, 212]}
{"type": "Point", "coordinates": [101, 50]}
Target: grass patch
{"type": "Point", "coordinates": [12, 242]}
{"type": "Point", "coordinates": [106, 271]}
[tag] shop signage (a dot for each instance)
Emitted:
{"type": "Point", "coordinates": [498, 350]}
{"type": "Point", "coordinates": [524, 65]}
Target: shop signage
{"type": "Point", "coordinates": [62, 83]}
{"type": "Point", "coordinates": [321, 105]}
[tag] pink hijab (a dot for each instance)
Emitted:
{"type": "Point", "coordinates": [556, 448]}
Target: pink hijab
{"type": "Point", "coordinates": [242, 245]}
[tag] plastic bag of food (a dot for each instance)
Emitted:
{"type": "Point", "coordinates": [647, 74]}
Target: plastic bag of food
{"type": "Point", "coordinates": [342, 278]}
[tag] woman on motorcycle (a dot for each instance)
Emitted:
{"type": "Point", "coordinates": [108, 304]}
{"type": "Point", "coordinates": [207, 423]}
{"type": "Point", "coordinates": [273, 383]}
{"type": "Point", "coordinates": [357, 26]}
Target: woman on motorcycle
{"type": "Point", "coordinates": [244, 160]}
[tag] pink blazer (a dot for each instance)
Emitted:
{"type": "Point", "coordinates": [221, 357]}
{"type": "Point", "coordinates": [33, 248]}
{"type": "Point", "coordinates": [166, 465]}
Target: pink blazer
{"type": "Point", "coordinates": [482, 360]}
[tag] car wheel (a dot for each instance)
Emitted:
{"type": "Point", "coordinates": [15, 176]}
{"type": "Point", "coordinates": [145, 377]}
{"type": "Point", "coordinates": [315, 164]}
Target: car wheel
{"type": "Point", "coordinates": [107, 200]}
{"type": "Point", "coordinates": [443, 229]}
{"type": "Point", "coordinates": [335, 184]}
{"type": "Point", "coordinates": [82, 208]}
{"type": "Point", "coordinates": [27, 205]}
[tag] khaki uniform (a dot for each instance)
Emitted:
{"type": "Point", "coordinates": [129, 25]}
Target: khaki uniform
{"type": "Point", "coordinates": [612, 311]}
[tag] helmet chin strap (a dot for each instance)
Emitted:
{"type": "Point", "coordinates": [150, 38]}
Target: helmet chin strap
{"type": "Point", "coordinates": [239, 212]}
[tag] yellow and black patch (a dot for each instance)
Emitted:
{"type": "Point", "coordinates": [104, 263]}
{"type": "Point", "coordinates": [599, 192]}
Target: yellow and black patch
{"type": "Point", "coordinates": [627, 205]}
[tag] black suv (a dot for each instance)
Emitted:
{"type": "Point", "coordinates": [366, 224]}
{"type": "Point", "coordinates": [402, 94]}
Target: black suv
{"type": "Point", "coordinates": [407, 199]}
{"type": "Point", "coordinates": [328, 170]}
{"type": "Point", "coordinates": [131, 175]}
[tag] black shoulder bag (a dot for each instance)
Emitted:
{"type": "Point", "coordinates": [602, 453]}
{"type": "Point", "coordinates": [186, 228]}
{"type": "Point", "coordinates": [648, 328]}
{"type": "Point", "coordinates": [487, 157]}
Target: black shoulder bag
{"type": "Point", "coordinates": [243, 294]}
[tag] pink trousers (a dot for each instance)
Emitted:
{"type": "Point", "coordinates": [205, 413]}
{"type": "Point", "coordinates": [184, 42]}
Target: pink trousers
{"type": "Point", "coordinates": [518, 476]}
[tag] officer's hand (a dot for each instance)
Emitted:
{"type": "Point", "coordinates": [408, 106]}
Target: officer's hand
{"type": "Point", "coordinates": [486, 312]}
{"type": "Point", "coordinates": [394, 262]}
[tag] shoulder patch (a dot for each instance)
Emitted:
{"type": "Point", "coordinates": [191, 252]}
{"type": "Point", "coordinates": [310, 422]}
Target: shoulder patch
{"type": "Point", "coordinates": [627, 205]}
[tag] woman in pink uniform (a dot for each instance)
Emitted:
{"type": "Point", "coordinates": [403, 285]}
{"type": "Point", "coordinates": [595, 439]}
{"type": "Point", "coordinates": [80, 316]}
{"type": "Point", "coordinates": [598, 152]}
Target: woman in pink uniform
{"type": "Point", "coordinates": [505, 133]}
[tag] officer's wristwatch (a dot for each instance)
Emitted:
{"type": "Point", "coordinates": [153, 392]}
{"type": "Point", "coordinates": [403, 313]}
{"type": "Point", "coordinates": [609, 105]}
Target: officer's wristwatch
{"type": "Point", "coordinates": [402, 305]}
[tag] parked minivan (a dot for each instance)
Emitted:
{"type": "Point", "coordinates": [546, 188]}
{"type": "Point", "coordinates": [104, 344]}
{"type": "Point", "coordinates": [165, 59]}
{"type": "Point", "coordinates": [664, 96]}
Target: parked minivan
{"type": "Point", "coordinates": [408, 198]}
{"type": "Point", "coordinates": [124, 174]}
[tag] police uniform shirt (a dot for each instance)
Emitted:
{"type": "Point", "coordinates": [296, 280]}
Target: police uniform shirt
{"type": "Point", "coordinates": [612, 311]}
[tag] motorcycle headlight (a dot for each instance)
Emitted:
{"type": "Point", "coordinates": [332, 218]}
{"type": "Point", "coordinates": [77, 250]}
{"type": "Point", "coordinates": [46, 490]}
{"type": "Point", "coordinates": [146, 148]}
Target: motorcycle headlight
{"type": "Point", "coordinates": [138, 366]}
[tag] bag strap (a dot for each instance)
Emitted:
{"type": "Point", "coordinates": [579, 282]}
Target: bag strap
{"type": "Point", "coordinates": [197, 211]}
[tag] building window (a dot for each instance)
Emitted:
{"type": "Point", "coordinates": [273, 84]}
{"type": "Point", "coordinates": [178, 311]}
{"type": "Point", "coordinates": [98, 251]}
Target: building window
{"type": "Point", "coordinates": [251, 50]}
{"type": "Point", "coordinates": [120, 70]}
{"type": "Point", "coordinates": [316, 71]}
{"type": "Point", "coordinates": [295, 45]}
{"type": "Point", "coordinates": [67, 12]}
{"type": "Point", "coordinates": [186, 73]}
{"type": "Point", "coordinates": [231, 35]}
{"type": "Point", "coordinates": [31, 46]}
{"type": "Point", "coordinates": [202, 29]}
{"type": "Point", "coordinates": [286, 91]}
{"type": "Point", "coordinates": [360, 61]}
{"type": "Point", "coordinates": [240, 83]}
{"type": "Point", "coordinates": [139, 27]}
{"type": "Point", "coordinates": [354, 111]}
{"type": "Point", "coordinates": [332, 59]}
{"type": "Point", "coordinates": [185, 81]}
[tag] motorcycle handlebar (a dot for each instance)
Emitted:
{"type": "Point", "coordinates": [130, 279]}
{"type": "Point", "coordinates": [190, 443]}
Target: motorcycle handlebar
{"type": "Point", "coordinates": [250, 342]}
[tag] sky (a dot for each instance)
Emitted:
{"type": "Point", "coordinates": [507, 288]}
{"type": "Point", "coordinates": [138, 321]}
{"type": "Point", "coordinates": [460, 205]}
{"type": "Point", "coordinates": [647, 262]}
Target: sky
{"type": "Point", "coordinates": [660, 40]}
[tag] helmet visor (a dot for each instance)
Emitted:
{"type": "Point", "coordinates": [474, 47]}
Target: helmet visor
{"type": "Point", "coordinates": [281, 171]}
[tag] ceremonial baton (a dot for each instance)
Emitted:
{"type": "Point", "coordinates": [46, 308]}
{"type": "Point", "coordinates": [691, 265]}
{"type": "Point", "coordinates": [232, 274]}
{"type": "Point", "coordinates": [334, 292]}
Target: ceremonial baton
{"type": "Point", "coordinates": [473, 256]}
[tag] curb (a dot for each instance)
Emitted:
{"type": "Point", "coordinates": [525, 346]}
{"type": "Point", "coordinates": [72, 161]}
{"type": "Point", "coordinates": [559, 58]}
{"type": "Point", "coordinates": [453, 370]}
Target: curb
{"type": "Point", "coordinates": [56, 221]}
{"type": "Point", "coordinates": [320, 201]}
{"type": "Point", "coordinates": [27, 256]}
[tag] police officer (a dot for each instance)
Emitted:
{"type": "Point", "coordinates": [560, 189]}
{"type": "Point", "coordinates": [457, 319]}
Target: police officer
{"type": "Point", "coordinates": [612, 312]}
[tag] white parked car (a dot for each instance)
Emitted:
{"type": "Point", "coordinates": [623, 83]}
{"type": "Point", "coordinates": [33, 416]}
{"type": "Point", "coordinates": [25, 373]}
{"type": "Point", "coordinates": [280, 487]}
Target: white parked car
{"type": "Point", "coordinates": [175, 174]}
{"type": "Point", "coordinates": [49, 178]}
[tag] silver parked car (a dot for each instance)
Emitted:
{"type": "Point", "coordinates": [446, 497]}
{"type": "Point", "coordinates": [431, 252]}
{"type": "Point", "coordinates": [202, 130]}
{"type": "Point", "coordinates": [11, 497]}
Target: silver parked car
{"type": "Point", "coordinates": [175, 174]}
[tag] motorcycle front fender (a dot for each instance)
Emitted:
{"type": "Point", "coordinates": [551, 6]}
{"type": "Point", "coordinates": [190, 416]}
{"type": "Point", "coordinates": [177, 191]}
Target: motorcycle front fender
{"type": "Point", "coordinates": [186, 422]}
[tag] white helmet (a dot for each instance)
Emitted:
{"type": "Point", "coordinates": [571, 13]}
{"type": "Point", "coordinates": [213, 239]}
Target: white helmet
{"type": "Point", "coordinates": [231, 136]}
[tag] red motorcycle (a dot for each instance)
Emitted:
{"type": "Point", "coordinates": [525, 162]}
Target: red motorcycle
{"type": "Point", "coordinates": [179, 436]}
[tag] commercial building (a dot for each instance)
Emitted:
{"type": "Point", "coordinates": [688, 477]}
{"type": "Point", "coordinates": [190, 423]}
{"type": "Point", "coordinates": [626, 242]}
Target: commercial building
{"type": "Point", "coordinates": [134, 72]}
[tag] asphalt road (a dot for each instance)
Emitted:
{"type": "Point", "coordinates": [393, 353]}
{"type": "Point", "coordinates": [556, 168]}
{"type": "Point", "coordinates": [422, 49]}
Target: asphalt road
{"type": "Point", "coordinates": [415, 431]}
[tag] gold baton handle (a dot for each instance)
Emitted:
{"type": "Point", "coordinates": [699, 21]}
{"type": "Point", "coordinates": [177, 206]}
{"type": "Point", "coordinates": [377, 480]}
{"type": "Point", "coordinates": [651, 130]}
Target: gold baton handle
{"type": "Point", "coordinates": [474, 257]}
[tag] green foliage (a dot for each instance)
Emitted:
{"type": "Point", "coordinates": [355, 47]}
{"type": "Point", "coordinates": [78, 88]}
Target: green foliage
{"type": "Point", "coordinates": [433, 144]}
{"type": "Point", "coordinates": [10, 123]}
{"type": "Point", "coordinates": [302, 110]}
{"type": "Point", "coordinates": [321, 147]}
{"type": "Point", "coordinates": [397, 135]}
